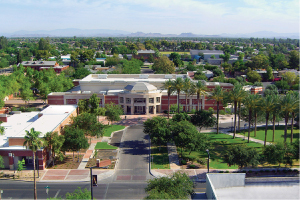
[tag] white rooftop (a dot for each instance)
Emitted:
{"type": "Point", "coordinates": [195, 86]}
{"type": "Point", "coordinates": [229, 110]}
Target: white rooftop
{"type": "Point", "coordinates": [17, 124]}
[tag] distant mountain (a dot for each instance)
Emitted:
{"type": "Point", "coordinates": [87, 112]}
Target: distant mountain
{"type": "Point", "coordinates": [263, 34]}
{"type": "Point", "coordinates": [70, 32]}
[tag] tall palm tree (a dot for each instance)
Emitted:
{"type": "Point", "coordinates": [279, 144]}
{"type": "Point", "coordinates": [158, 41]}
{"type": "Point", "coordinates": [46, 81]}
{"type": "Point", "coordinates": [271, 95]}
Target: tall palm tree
{"type": "Point", "coordinates": [33, 142]}
{"type": "Point", "coordinates": [275, 112]}
{"type": "Point", "coordinates": [287, 108]}
{"type": "Point", "coordinates": [168, 85]}
{"type": "Point", "coordinates": [178, 84]}
{"type": "Point", "coordinates": [201, 91]}
{"type": "Point", "coordinates": [187, 85]}
{"type": "Point", "coordinates": [234, 96]}
{"type": "Point", "coordinates": [267, 105]}
{"type": "Point", "coordinates": [294, 110]}
{"type": "Point", "coordinates": [251, 103]}
{"type": "Point", "coordinates": [218, 95]}
{"type": "Point", "coordinates": [241, 97]}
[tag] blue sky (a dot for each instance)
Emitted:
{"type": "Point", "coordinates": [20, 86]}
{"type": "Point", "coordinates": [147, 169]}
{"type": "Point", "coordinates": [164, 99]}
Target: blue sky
{"type": "Point", "coordinates": [156, 16]}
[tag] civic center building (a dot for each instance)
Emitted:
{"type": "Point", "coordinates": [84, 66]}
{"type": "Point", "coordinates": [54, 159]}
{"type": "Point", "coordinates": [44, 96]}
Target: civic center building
{"type": "Point", "coordinates": [136, 93]}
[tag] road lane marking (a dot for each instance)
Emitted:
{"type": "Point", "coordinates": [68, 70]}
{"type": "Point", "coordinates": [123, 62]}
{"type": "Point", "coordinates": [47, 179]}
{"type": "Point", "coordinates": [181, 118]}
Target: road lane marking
{"type": "Point", "coordinates": [56, 193]}
{"type": "Point", "coordinates": [106, 191]}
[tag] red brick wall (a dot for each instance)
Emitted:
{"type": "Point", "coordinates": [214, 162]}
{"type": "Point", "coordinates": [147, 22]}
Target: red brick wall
{"type": "Point", "coordinates": [71, 101]}
{"type": "Point", "coordinates": [56, 100]}
{"type": "Point", "coordinates": [113, 99]}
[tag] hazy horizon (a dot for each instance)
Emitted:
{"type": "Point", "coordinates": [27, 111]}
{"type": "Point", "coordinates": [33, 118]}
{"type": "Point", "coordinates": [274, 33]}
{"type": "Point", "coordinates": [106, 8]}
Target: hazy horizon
{"type": "Point", "coordinates": [155, 16]}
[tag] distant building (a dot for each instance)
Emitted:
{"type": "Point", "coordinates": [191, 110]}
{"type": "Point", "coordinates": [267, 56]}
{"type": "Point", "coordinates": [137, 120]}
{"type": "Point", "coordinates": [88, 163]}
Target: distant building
{"type": "Point", "coordinates": [136, 93]}
{"type": "Point", "coordinates": [51, 119]}
{"type": "Point", "coordinates": [40, 65]}
{"type": "Point", "coordinates": [144, 53]}
{"type": "Point", "coordinates": [207, 53]}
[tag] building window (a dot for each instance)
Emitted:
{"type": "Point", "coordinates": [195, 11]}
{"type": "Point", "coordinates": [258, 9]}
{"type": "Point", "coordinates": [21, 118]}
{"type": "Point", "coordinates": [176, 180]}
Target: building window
{"type": "Point", "coordinates": [139, 100]}
{"type": "Point", "coordinates": [121, 99]}
{"type": "Point", "coordinates": [157, 99]}
{"type": "Point", "coordinates": [128, 100]}
{"type": "Point", "coordinates": [151, 100]}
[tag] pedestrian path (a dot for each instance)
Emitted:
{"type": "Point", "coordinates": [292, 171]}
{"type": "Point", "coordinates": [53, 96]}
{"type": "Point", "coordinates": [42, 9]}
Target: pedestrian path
{"type": "Point", "coordinates": [173, 156]}
{"type": "Point", "coordinates": [89, 153]}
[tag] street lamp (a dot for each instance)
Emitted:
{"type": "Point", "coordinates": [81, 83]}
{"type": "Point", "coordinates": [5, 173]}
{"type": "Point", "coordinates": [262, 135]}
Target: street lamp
{"type": "Point", "coordinates": [245, 129]}
{"type": "Point", "coordinates": [207, 151]}
{"type": "Point", "coordinates": [13, 155]}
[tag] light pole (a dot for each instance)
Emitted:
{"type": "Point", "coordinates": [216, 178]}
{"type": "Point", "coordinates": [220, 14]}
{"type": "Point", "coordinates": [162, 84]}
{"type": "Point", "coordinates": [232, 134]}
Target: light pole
{"type": "Point", "coordinates": [207, 151]}
{"type": "Point", "coordinates": [13, 155]}
{"type": "Point", "coordinates": [231, 123]}
{"type": "Point", "coordinates": [244, 130]}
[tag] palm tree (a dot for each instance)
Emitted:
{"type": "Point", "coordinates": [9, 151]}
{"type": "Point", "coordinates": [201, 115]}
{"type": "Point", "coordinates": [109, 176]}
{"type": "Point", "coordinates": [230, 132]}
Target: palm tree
{"type": "Point", "coordinates": [251, 103]}
{"type": "Point", "coordinates": [178, 84]}
{"type": "Point", "coordinates": [168, 85]}
{"type": "Point", "coordinates": [187, 84]}
{"type": "Point", "coordinates": [286, 107]}
{"type": "Point", "coordinates": [200, 90]}
{"type": "Point", "coordinates": [275, 112]}
{"type": "Point", "coordinates": [33, 142]}
{"type": "Point", "coordinates": [218, 95]}
{"type": "Point", "coordinates": [241, 97]}
{"type": "Point", "coordinates": [295, 109]}
{"type": "Point", "coordinates": [267, 105]}
{"type": "Point", "coordinates": [234, 96]}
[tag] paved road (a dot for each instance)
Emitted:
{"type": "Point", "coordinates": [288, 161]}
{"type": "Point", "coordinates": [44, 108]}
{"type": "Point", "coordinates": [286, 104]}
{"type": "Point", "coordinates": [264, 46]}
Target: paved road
{"type": "Point", "coordinates": [132, 171]}
{"type": "Point", "coordinates": [24, 190]}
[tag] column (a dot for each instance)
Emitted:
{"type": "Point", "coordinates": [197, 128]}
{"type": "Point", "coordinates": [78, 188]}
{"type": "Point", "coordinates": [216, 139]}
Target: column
{"type": "Point", "coordinates": [11, 161]}
{"type": "Point", "coordinates": [132, 106]}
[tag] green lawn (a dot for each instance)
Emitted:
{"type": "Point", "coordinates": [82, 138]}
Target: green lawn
{"type": "Point", "coordinates": [279, 134]}
{"type": "Point", "coordinates": [160, 158]}
{"type": "Point", "coordinates": [104, 145]}
{"type": "Point", "coordinates": [111, 128]}
{"type": "Point", "coordinates": [219, 145]}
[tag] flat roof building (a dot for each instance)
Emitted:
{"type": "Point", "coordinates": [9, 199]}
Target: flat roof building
{"type": "Point", "coordinates": [136, 93]}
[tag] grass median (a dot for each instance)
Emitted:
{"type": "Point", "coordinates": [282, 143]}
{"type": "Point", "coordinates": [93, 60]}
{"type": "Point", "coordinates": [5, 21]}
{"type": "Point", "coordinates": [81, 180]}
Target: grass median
{"type": "Point", "coordinates": [104, 145]}
{"type": "Point", "coordinates": [112, 128]}
{"type": "Point", "coordinates": [159, 158]}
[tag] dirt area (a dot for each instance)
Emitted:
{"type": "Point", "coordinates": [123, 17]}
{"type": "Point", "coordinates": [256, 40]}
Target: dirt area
{"type": "Point", "coordinates": [67, 163]}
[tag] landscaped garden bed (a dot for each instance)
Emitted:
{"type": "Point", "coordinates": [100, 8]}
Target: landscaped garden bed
{"type": "Point", "coordinates": [67, 163]}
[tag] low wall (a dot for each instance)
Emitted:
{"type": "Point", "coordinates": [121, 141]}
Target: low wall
{"type": "Point", "coordinates": [216, 181]}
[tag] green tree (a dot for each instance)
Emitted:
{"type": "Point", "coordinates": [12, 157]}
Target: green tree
{"type": "Point", "coordinates": [259, 62]}
{"type": "Point", "coordinates": [34, 143]}
{"type": "Point", "coordinates": [241, 155]}
{"type": "Point", "coordinates": [168, 85]}
{"type": "Point", "coordinates": [21, 165]}
{"type": "Point", "coordinates": [218, 96]}
{"type": "Point", "coordinates": [274, 153]}
{"type": "Point", "coordinates": [294, 59]}
{"type": "Point", "coordinates": [188, 88]}
{"type": "Point", "coordinates": [54, 142]}
{"type": "Point", "coordinates": [113, 112]}
{"type": "Point", "coordinates": [286, 106]}
{"type": "Point", "coordinates": [74, 140]}
{"type": "Point", "coordinates": [83, 105]}
{"type": "Point", "coordinates": [289, 77]}
{"type": "Point", "coordinates": [151, 58]}
{"type": "Point", "coordinates": [271, 90]}
{"type": "Point", "coordinates": [94, 103]}
{"type": "Point", "coordinates": [282, 85]}
{"type": "Point", "coordinates": [1, 162]}
{"type": "Point", "coordinates": [253, 76]}
{"type": "Point", "coordinates": [163, 65]}
{"type": "Point", "coordinates": [178, 186]}
{"type": "Point", "coordinates": [203, 118]}
{"type": "Point", "coordinates": [225, 56]}
{"type": "Point", "coordinates": [269, 74]}
{"type": "Point", "coordinates": [89, 123]}
{"type": "Point", "coordinates": [158, 130]}
{"type": "Point", "coordinates": [81, 72]}
{"type": "Point", "coordinates": [178, 117]}
{"type": "Point", "coordinates": [178, 84]}
{"type": "Point", "coordinates": [275, 112]}
{"type": "Point", "coordinates": [26, 93]}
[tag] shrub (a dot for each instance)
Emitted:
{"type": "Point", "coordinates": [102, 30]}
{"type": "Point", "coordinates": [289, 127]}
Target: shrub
{"type": "Point", "coordinates": [193, 111]}
{"type": "Point", "coordinates": [210, 109]}
{"type": "Point", "coordinates": [226, 171]}
{"type": "Point", "coordinates": [221, 172]}
{"type": "Point", "coordinates": [192, 166]}
{"type": "Point", "coordinates": [202, 161]}
{"type": "Point", "coordinates": [222, 112]}
{"type": "Point", "coordinates": [290, 170]}
{"type": "Point", "coordinates": [295, 170]}
{"type": "Point", "coordinates": [228, 111]}
{"type": "Point", "coordinates": [183, 162]}
{"type": "Point", "coordinates": [250, 171]}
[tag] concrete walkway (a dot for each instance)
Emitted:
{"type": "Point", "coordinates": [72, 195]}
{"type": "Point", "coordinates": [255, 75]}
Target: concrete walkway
{"type": "Point", "coordinates": [173, 156]}
{"type": "Point", "coordinates": [89, 153]}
